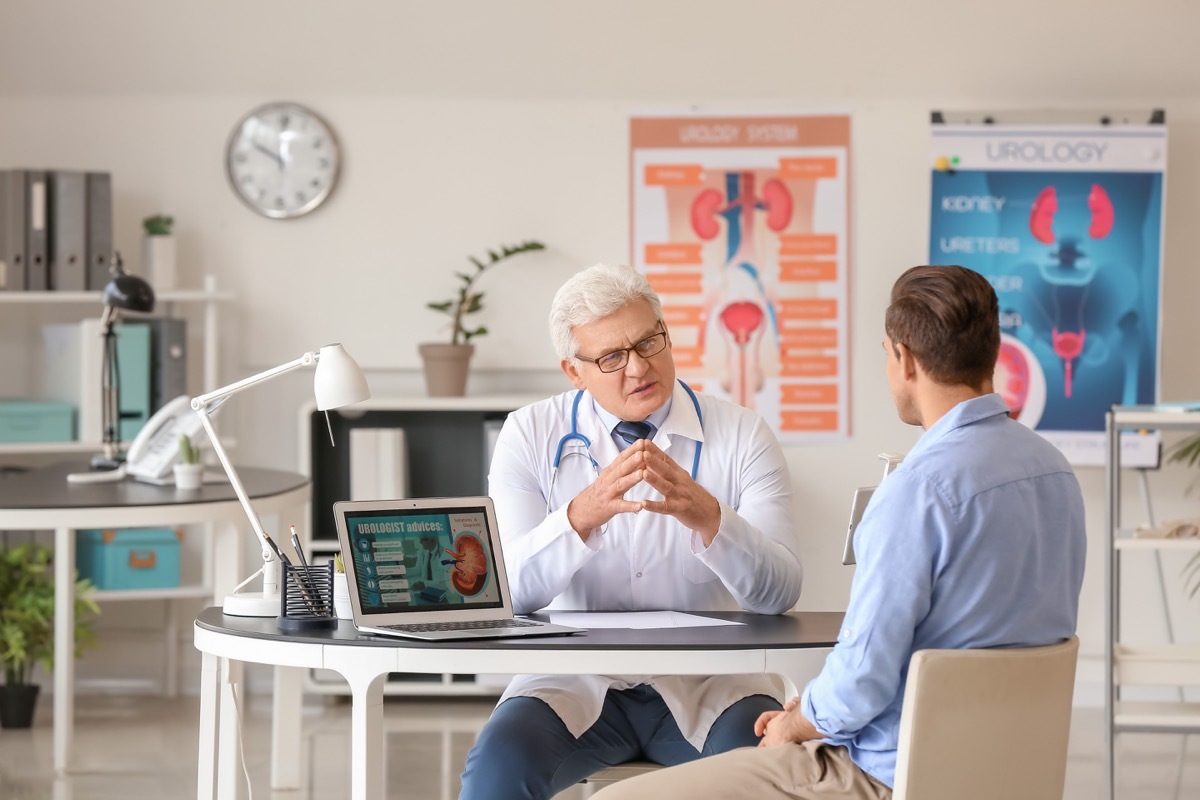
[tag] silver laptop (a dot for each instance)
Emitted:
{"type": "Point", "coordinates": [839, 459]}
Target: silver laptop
{"type": "Point", "coordinates": [429, 568]}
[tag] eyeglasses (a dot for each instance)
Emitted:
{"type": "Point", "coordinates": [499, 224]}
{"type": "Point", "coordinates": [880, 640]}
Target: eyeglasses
{"type": "Point", "coordinates": [617, 359]}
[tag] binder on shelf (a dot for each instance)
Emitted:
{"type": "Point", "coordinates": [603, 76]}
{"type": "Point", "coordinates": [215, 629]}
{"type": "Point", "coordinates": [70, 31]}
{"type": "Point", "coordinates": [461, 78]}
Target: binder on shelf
{"type": "Point", "coordinates": [168, 358]}
{"type": "Point", "coordinates": [99, 233]}
{"type": "Point", "coordinates": [378, 464]}
{"type": "Point", "coordinates": [37, 271]}
{"type": "Point", "coordinates": [67, 250]}
{"type": "Point", "coordinates": [12, 230]}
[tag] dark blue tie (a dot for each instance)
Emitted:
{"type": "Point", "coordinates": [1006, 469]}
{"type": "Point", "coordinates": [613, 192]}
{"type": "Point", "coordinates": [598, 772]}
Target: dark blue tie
{"type": "Point", "coordinates": [632, 431]}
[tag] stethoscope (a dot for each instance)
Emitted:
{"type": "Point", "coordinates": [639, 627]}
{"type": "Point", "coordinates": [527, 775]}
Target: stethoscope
{"type": "Point", "coordinates": [576, 439]}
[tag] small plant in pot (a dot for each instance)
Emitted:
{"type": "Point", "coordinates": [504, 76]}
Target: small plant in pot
{"type": "Point", "coordinates": [158, 251]}
{"type": "Point", "coordinates": [446, 364]}
{"type": "Point", "coordinates": [27, 626]}
{"type": "Point", "coordinates": [189, 472]}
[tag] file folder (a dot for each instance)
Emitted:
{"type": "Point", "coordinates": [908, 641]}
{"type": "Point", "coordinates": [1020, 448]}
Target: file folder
{"type": "Point", "coordinates": [37, 272]}
{"type": "Point", "coordinates": [12, 230]}
{"type": "Point", "coordinates": [99, 229]}
{"type": "Point", "coordinates": [68, 234]}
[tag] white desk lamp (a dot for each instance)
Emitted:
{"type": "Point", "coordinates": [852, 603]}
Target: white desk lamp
{"type": "Point", "coordinates": [338, 382]}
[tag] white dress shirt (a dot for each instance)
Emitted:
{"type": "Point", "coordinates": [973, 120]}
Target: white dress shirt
{"type": "Point", "coordinates": [646, 561]}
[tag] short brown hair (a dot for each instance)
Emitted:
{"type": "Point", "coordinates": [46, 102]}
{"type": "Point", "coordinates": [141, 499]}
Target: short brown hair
{"type": "Point", "coordinates": [949, 319]}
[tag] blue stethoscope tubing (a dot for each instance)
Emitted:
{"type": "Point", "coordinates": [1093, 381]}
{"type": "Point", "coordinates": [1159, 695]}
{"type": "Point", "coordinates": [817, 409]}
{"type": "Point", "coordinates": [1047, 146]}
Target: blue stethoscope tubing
{"type": "Point", "coordinates": [575, 436]}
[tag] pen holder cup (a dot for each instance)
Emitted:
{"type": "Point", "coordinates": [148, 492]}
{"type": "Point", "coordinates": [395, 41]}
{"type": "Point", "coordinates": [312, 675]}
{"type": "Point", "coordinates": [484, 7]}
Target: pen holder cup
{"type": "Point", "coordinates": [306, 598]}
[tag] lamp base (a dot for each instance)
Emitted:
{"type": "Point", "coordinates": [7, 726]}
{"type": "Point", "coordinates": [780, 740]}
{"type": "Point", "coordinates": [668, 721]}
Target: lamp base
{"type": "Point", "coordinates": [250, 604]}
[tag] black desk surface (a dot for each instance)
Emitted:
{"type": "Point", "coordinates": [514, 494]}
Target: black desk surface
{"type": "Point", "coordinates": [813, 629]}
{"type": "Point", "coordinates": [48, 488]}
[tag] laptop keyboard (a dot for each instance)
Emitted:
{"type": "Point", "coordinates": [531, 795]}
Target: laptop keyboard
{"type": "Point", "coordinates": [484, 624]}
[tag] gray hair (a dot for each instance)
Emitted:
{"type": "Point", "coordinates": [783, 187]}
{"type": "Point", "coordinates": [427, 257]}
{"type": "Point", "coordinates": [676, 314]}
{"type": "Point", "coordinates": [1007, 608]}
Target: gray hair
{"type": "Point", "coordinates": [592, 294]}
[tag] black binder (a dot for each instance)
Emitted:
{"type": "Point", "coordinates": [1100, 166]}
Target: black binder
{"type": "Point", "coordinates": [99, 232]}
{"type": "Point", "coordinates": [68, 231]}
{"type": "Point", "coordinates": [37, 268]}
{"type": "Point", "coordinates": [12, 230]}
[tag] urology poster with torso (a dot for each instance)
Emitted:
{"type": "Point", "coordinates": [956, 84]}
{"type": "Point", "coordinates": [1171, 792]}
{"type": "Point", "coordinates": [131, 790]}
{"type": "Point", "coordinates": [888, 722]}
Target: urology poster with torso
{"type": "Point", "coordinates": [741, 225]}
{"type": "Point", "coordinates": [1066, 222]}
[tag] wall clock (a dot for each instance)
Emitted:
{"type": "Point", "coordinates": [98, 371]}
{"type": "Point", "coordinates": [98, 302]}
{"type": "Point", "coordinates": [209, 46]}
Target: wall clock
{"type": "Point", "coordinates": [282, 160]}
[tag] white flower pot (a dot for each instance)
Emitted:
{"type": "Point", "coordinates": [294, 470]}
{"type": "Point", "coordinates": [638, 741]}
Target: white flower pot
{"type": "Point", "coordinates": [189, 476]}
{"type": "Point", "coordinates": [341, 596]}
{"type": "Point", "coordinates": [158, 261]}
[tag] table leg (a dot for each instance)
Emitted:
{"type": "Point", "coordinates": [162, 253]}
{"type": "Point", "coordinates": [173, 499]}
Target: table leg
{"type": "Point", "coordinates": [229, 737]}
{"type": "Point", "coordinates": [366, 672]}
{"type": "Point", "coordinates": [210, 686]}
{"type": "Point", "coordinates": [64, 647]}
{"type": "Point", "coordinates": [285, 728]}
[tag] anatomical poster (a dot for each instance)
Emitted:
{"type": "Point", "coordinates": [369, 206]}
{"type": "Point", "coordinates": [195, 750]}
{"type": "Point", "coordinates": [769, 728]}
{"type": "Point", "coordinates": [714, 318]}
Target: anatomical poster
{"type": "Point", "coordinates": [1067, 223]}
{"type": "Point", "coordinates": [741, 225]}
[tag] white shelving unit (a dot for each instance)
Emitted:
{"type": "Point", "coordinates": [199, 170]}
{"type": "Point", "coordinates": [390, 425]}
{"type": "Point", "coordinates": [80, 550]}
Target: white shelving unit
{"type": "Point", "coordinates": [90, 304]}
{"type": "Point", "coordinates": [461, 424]}
{"type": "Point", "coordinates": [1161, 665]}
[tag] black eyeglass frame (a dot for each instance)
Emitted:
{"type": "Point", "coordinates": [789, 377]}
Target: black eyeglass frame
{"type": "Point", "coordinates": [625, 351]}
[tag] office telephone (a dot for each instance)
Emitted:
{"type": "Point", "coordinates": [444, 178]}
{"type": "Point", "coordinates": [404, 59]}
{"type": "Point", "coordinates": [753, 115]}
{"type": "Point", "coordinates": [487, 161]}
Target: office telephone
{"type": "Point", "coordinates": [155, 449]}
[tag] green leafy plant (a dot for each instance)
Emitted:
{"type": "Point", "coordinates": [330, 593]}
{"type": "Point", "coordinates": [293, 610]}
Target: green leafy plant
{"type": "Point", "coordinates": [470, 301]}
{"type": "Point", "coordinates": [27, 612]}
{"type": "Point", "coordinates": [188, 452]}
{"type": "Point", "coordinates": [338, 565]}
{"type": "Point", "coordinates": [158, 225]}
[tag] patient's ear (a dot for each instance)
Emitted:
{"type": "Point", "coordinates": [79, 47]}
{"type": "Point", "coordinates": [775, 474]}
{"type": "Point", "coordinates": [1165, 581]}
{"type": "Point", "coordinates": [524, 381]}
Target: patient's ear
{"type": "Point", "coordinates": [908, 362]}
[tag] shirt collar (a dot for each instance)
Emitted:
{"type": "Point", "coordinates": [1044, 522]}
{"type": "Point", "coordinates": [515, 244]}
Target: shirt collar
{"type": "Point", "coordinates": [968, 412]}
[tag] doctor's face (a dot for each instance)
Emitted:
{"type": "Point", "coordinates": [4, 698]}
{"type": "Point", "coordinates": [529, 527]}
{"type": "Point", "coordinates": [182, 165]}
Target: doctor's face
{"type": "Point", "coordinates": [644, 384]}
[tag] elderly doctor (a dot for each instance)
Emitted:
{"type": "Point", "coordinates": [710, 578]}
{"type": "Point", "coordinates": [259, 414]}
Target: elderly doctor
{"type": "Point", "coordinates": [630, 493]}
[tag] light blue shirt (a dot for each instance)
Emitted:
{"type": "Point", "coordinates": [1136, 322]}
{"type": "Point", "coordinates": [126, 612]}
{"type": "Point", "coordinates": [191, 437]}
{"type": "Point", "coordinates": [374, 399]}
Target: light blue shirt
{"type": "Point", "coordinates": [976, 540]}
{"type": "Point", "coordinates": [612, 420]}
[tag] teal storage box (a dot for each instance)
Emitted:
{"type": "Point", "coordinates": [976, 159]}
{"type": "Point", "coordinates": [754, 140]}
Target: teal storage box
{"type": "Point", "coordinates": [33, 421]}
{"type": "Point", "coordinates": [129, 558]}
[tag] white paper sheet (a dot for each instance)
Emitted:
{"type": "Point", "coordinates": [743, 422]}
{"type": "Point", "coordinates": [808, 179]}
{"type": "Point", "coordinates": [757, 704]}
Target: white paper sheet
{"type": "Point", "coordinates": [634, 619]}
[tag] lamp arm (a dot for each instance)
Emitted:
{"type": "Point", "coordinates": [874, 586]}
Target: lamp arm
{"type": "Point", "coordinates": [240, 491]}
{"type": "Point", "coordinates": [202, 404]}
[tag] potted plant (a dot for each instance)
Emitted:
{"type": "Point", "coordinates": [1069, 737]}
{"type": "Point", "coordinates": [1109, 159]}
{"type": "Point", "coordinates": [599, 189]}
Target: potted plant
{"type": "Point", "coordinates": [189, 473]}
{"type": "Point", "coordinates": [341, 589]}
{"type": "Point", "coordinates": [27, 626]}
{"type": "Point", "coordinates": [158, 251]}
{"type": "Point", "coordinates": [446, 364]}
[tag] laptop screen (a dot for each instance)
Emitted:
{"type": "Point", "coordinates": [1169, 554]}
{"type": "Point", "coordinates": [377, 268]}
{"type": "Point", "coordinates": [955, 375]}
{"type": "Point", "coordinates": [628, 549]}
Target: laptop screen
{"type": "Point", "coordinates": [422, 559]}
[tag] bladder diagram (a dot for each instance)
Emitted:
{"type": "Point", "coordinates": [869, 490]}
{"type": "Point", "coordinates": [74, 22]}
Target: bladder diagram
{"type": "Point", "coordinates": [742, 308]}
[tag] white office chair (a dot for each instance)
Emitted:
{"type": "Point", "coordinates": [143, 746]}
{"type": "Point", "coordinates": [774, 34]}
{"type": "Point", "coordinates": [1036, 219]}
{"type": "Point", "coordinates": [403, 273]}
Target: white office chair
{"type": "Point", "coordinates": [986, 724]}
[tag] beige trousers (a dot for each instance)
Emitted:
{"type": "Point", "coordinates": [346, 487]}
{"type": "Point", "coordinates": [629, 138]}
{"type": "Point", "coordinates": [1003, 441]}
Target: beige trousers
{"type": "Point", "coordinates": [808, 771]}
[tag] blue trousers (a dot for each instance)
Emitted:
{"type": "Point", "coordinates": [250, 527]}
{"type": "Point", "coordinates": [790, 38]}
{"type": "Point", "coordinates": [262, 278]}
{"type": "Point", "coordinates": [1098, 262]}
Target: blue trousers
{"type": "Point", "coordinates": [525, 750]}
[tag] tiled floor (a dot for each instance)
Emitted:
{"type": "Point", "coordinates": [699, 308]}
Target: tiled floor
{"type": "Point", "coordinates": [131, 748]}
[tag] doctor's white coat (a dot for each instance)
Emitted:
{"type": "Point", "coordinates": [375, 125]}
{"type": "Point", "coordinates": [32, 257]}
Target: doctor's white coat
{"type": "Point", "coordinates": [646, 561]}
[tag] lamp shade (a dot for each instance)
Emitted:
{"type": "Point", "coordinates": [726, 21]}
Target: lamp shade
{"type": "Point", "coordinates": [339, 381]}
{"type": "Point", "coordinates": [129, 292]}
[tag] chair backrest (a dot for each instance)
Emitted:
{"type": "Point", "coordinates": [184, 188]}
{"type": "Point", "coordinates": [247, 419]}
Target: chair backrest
{"type": "Point", "coordinates": [986, 724]}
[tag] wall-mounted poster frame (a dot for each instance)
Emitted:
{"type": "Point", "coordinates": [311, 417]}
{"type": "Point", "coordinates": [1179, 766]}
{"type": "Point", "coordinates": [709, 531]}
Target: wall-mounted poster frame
{"type": "Point", "coordinates": [742, 226]}
{"type": "Point", "coordinates": [1065, 218]}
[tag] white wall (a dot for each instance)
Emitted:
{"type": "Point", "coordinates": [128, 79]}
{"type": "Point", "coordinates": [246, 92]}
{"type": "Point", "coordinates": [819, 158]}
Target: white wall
{"type": "Point", "coordinates": [467, 124]}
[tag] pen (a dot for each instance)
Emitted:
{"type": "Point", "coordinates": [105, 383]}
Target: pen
{"type": "Point", "coordinates": [304, 563]}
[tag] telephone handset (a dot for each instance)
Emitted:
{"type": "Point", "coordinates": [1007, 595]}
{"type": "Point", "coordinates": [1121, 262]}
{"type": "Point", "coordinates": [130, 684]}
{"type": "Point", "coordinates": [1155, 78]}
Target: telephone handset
{"type": "Point", "coordinates": [155, 449]}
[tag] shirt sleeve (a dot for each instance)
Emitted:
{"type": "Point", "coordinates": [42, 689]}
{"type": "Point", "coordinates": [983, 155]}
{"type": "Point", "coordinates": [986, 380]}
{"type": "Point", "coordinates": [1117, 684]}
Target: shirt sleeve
{"type": "Point", "coordinates": [541, 551]}
{"type": "Point", "coordinates": [896, 546]}
{"type": "Point", "coordinates": [753, 553]}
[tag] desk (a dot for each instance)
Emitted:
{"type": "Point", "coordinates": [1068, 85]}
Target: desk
{"type": "Point", "coordinates": [791, 645]}
{"type": "Point", "coordinates": [43, 500]}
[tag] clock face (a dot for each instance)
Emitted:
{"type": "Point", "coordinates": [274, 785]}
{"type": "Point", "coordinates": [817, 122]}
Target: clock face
{"type": "Point", "coordinates": [282, 160]}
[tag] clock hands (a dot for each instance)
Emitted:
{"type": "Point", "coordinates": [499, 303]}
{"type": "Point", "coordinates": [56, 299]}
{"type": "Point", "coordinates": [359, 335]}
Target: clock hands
{"type": "Point", "coordinates": [274, 156]}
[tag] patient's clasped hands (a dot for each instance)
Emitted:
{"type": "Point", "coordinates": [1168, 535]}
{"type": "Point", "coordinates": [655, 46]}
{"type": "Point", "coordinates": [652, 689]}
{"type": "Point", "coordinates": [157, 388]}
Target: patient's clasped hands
{"type": "Point", "coordinates": [788, 726]}
{"type": "Point", "coordinates": [683, 498]}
